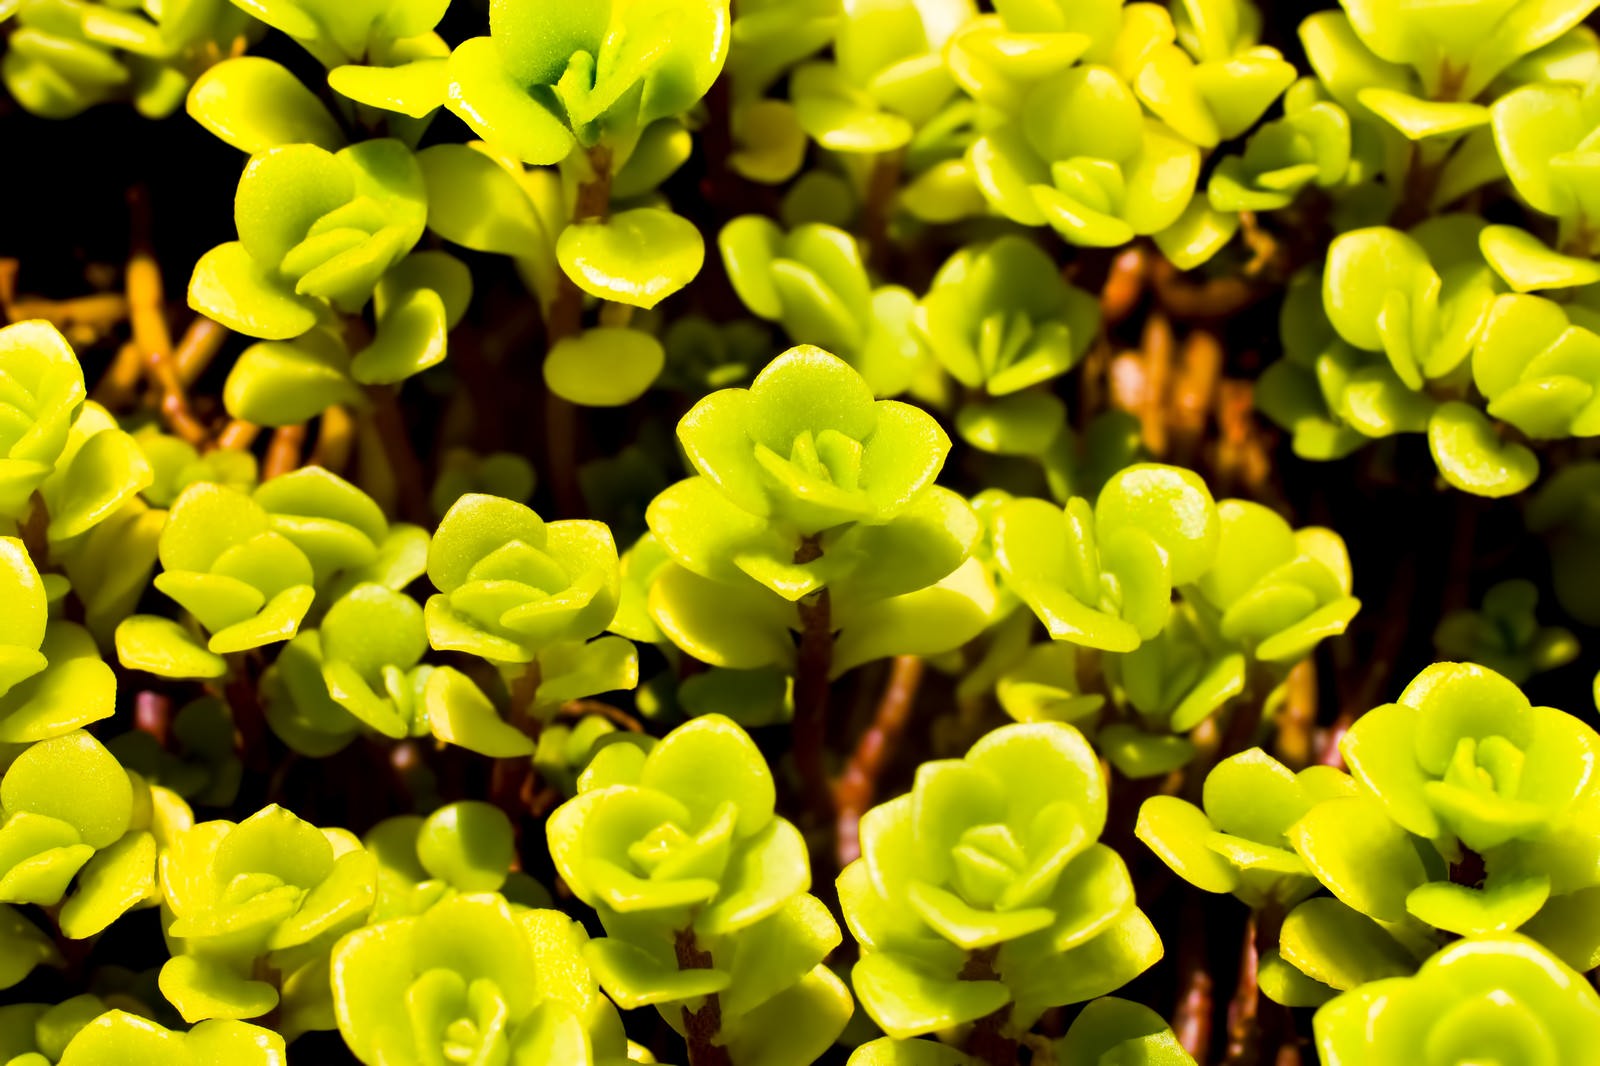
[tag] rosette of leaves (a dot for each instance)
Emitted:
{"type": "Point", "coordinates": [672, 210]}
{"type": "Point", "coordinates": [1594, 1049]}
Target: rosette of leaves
{"type": "Point", "coordinates": [463, 471]}
{"type": "Point", "coordinates": [175, 464]}
{"type": "Point", "coordinates": [73, 816]}
{"type": "Point", "coordinates": [529, 596]}
{"type": "Point", "coordinates": [1538, 365]}
{"type": "Point", "coordinates": [1566, 513]}
{"type": "Point", "coordinates": [983, 894]}
{"type": "Point", "coordinates": [64, 56]}
{"type": "Point", "coordinates": [1470, 819]}
{"type": "Point", "coordinates": [358, 669]}
{"type": "Point", "coordinates": [481, 980]}
{"type": "Point", "coordinates": [1277, 591]}
{"type": "Point", "coordinates": [1167, 687]}
{"type": "Point", "coordinates": [806, 486]}
{"type": "Point", "coordinates": [1107, 1030]}
{"type": "Point", "coordinates": [1238, 840]}
{"type": "Point", "coordinates": [1504, 634]}
{"type": "Point", "coordinates": [462, 847]}
{"type": "Point", "coordinates": [109, 567]}
{"type": "Point", "coordinates": [701, 888]}
{"type": "Point", "coordinates": [1310, 145]}
{"type": "Point", "coordinates": [200, 763]}
{"type": "Point", "coordinates": [1541, 132]}
{"type": "Point", "coordinates": [23, 947]}
{"type": "Point", "coordinates": [541, 84]}
{"type": "Point", "coordinates": [703, 356]}
{"type": "Point", "coordinates": [317, 231]}
{"type": "Point", "coordinates": [43, 391]}
{"type": "Point", "coordinates": [244, 582]}
{"type": "Point", "coordinates": [1214, 81]}
{"type": "Point", "coordinates": [36, 1034]}
{"type": "Point", "coordinates": [813, 282]}
{"type": "Point", "coordinates": [1102, 576]}
{"type": "Point", "coordinates": [1500, 998]}
{"type": "Point", "coordinates": [117, 1037]}
{"type": "Point", "coordinates": [887, 78]}
{"type": "Point", "coordinates": [52, 679]}
{"type": "Point", "coordinates": [1068, 144]}
{"type": "Point", "coordinates": [251, 911]}
{"type": "Point", "coordinates": [1420, 72]}
{"type": "Point", "coordinates": [1000, 319]}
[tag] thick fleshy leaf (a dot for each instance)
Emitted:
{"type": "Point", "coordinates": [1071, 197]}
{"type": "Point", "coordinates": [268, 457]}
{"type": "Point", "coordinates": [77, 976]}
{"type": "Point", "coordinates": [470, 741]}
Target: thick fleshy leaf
{"type": "Point", "coordinates": [604, 366]}
{"type": "Point", "coordinates": [636, 257]}
{"type": "Point", "coordinates": [256, 104]}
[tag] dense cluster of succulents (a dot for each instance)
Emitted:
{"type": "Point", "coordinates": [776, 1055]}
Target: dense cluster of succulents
{"type": "Point", "coordinates": [737, 532]}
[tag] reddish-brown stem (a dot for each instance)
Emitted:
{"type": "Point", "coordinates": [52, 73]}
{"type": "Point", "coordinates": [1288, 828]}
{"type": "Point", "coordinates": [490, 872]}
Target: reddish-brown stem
{"type": "Point", "coordinates": [237, 435]}
{"type": "Point", "coordinates": [283, 454]}
{"type": "Point", "coordinates": [152, 714]}
{"type": "Point", "coordinates": [391, 429]}
{"type": "Point", "coordinates": [1297, 717]}
{"type": "Point", "coordinates": [199, 345]}
{"type": "Point", "coordinates": [1191, 1021]}
{"type": "Point", "coordinates": [1244, 1030]}
{"type": "Point", "coordinates": [882, 185]}
{"type": "Point", "coordinates": [853, 793]}
{"type": "Point", "coordinates": [510, 782]}
{"type": "Point", "coordinates": [1124, 285]}
{"type": "Point", "coordinates": [575, 709]}
{"type": "Point", "coordinates": [814, 662]}
{"type": "Point", "coordinates": [987, 1040]}
{"type": "Point", "coordinates": [119, 385]}
{"type": "Point", "coordinates": [1194, 390]}
{"type": "Point", "coordinates": [701, 1027]}
{"type": "Point", "coordinates": [565, 320]}
{"type": "Point", "coordinates": [149, 315]}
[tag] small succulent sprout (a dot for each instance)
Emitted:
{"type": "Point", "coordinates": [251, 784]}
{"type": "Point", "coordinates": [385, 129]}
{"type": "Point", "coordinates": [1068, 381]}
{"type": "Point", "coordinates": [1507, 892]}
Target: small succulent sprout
{"type": "Point", "coordinates": [1420, 73]}
{"type": "Point", "coordinates": [358, 669]}
{"type": "Point", "coordinates": [1106, 1030]}
{"type": "Point", "coordinates": [1464, 756]}
{"type": "Point", "coordinates": [1171, 683]}
{"type": "Point", "coordinates": [1541, 132]}
{"type": "Point", "coordinates": [36, 1034]}
{"type": "Point", "coordinates": [812, 281]}
{"type": "Point", "coordinates": [703, 356]}
{"type": "Point", "coordinates": [1079, 155]}
{"type": "Point", "coordinates": [338, 527]}
{"type": "Point", "coordinates": [23, 947]}
{"type": "Point", "coordinates": [1278, 591]}
{"type": "Point", "coordinates": [117, 1037]}
{"type": "Point", "coordinates": [1538, 365]}
{"type": "Point", "coordinates": [999, 318]}
{"type": "Point", "coordinates": [1499, 998]}
{"type": "Point", "coordinates": [702, 890]}
{"type": "Point", "coordinates": [316, 228]}
{"type": "Point", "coordinates": [1215, 81]}
{"type": "Point", "coordinates": [984, 888]}
{"type": "Point", "coordinates": [807, 448]}
{"type": "Point", "coordinates": [64, 799]}
{"type": "Point", "coordinates": [1566, 513]}
{"type": "Point", "coordinates": [64, 56]}
{"type": "Point", "coordinates": [887, 80]}
{"type": "Point", "coordinates": [463, 471]}
{"type": "Point", "coordinates": [201, 767]}
{"type": "Point", "coordinates": [252, 910]}
{"type": "Point", "coordinates": [1240, 841]}
{"type": "Point", "coordinates": [52, 679]}
{"type": "Point", "coordinates": [537, 86]}
{"type": "Point", "coordinates": [175, 464]}
{"type": "Point", "coordinates": [1309, 145]}
{"type": "Point", "coordinates": [511, 585]}
{"type": "Point", "coordinates": [1504, 634]}
{"type": "Point", "coordinates": [43, 385]}
{"type": "Point", "coordinates": [1328, 395]}
{"type": "Point", "coordinates": [245, 583]}
{"type": "Point", "coordinates": [565, 749]}
{"type": "Point", "coordinates": [1102, 576]}
{"type": "Point", "coordinates": [481, 980]}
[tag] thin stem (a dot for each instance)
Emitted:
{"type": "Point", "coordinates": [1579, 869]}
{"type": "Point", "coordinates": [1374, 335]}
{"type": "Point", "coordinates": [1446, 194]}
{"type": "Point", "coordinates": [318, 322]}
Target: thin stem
{"type": "Point", "coordinates": [237, 435]}
{"type": "Point", "coordinates": [814, 663]}
{"type": "Point", "coordinates": [701, 1027]}
{"type": "Point", "coordinates": [856, 787]}
{"type": "Point", "coordinates": [199, 345]}
{"type": "Point", "coordinates": [1191, 1022]}
{"type": "Point", "coordinates": [566, 320]}
{"type": "Point", "coordinates": [987, 1041]}
{"type": "Point", "coordinates": [390, 426]}
{"type": "Point", "coordinates": [510, 782]}
{"type": "Point", "coordinates": [882, 185]}
{"type": "Point", "coordinates": [1244, 1030]}
{"type": "Point", "coordinates": [283, 454]}
{"type": "Point", "coordinates": [336, 432]}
